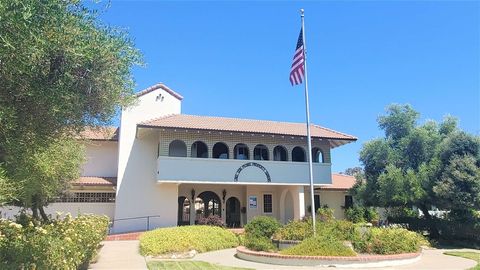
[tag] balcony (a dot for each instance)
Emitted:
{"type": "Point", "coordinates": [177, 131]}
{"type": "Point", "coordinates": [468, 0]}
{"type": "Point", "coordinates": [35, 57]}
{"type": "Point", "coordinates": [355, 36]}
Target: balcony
{"type": "Point", "coordinates": [231, 171]}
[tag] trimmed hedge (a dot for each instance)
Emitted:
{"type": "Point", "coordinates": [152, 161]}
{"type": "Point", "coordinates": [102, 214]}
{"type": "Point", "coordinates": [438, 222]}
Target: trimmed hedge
{"type": "Point", "coordinates": [302, 229]}
{"type": "Point", "coordinates": [68, 243]}
{"type": "Point", "coordinates": [201, 238]}
{"type": "Point", "coordinates": [320, 246]}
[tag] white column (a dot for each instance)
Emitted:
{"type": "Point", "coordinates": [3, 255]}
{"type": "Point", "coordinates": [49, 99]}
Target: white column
{"type": "Point", "coordinates": [299, 202]}
{"type": "Point", "coordinates": [192, 211]}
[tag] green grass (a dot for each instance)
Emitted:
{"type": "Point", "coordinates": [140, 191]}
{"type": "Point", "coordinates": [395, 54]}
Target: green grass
{"type": "Point", "coordinates": [467, 255]}
{"type": "Point", "coordinates": [188, 265]}
{"type": "Point", "coordinates": [185, 238]}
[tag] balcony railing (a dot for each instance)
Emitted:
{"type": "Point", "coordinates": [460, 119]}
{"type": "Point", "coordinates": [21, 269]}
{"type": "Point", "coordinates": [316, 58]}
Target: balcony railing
{"type": "Point", "coordinates": [208, 170]}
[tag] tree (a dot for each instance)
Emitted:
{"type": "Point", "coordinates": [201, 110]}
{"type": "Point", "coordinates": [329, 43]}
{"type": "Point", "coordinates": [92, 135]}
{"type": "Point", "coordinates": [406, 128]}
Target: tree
{"type": "Point", "coordinates": [420, 165]}
{"type": "Point", "coordinates": [61, 70]}
{"type": "Point", "coordinates": [46, 173]}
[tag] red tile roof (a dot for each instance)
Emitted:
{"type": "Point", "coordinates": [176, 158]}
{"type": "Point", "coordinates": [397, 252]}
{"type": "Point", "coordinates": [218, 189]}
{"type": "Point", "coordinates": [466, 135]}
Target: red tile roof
{"type": "Point", "coordinates": [159, 86]}
{"type": "Point", "coordinates": [340, 182]}
{"type": "Point", "coordinates": [100, 134]}
{"type": "Point", "coordinates": [244, 125]}
{"type": "Point", "coordinates": [95, 181]}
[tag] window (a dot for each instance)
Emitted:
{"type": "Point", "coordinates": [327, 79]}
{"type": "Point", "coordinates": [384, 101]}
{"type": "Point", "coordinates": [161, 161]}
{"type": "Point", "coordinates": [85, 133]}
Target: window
{"type": "Point", "coordinates": [199, 150]}
{"type": "Point", "coordinates": [317, 155]}
{"type": "Point", "coordinates": [220, 150]}
{"type": "Point", "coordinates": [87, 197]}
{"type": "Point", "coordinates": [240, 151]}
{"type": "Point", "coordinates": [348, 201]}
{"type": "Point", "coordinates": [177, 148]}
{"type": "Point", "coordinates": [267, 203]}
{"type": "Point", "coordinates": [298, 154]}
{"type": "Point", "coordinates": [260, 152]}
{"type": "Point", "coordinates": [279, 153]}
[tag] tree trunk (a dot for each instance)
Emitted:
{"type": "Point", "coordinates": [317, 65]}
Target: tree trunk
{"type": "Point", "coordinates": [34, 211]}
{"type": "Point", "coordinates": [42, 213]}
{"type": "Point", "coordinates": [431, 223]}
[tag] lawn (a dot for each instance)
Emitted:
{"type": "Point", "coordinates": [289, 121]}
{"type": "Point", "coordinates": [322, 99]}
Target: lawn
{"type": "Point", "coordinates": [468, 255]}
{"type": "Point", "coordinates": [188, 265]}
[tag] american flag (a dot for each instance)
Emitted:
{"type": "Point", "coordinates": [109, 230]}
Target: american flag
{"type": "Point", "coordinates": [297, 72]}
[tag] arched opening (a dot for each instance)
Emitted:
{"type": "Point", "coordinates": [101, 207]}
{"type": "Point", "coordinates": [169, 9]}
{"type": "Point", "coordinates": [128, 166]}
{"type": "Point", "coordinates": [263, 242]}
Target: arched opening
{"type": "Point", "coordinates": [177, 148]}
{"type": "Point", "coordinates": [233, 212]}
{"type": "Point", "coordinates": [298, 154]}
{"type": "Point", "coordinates": [317, 155]}
{"type": "Point", "coordinates": [220, 150]}
{"type": "Point", "coordinates": [199, 150]}
{"type": "Point", "coordinates": [280, 153]}
{"type": "Point", "coordinates": [260, 152]}
{"type": "Point", "coordinates": [240, 151]}
{"type": "Point", "coordinates": [183, 211]}
{"type": "Point", "coordinates": [209, 204]}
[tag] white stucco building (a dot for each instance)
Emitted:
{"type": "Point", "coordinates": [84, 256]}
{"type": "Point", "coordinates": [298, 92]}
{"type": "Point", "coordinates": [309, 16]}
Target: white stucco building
{"type": "Point", "coordinates": [163, 168]}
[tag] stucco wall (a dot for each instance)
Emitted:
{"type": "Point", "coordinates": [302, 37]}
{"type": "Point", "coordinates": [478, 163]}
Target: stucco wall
{"type": "Point", "coordinates": [73, 208]}
{"type": "Point", "coordinates": [102, 159]}
{"type": "Point", "coordinates": [138, 194]}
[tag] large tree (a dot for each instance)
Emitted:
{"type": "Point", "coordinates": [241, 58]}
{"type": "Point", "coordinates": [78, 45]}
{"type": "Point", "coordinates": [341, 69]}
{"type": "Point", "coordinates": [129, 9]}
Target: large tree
{"type": "Point", "coordinates": [61, 69]}
{"type": "Point", "coordinates": [420, 165]}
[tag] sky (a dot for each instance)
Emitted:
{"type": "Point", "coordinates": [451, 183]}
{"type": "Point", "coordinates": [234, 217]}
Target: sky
{"type": "Point", "coordinates": [233, 59]}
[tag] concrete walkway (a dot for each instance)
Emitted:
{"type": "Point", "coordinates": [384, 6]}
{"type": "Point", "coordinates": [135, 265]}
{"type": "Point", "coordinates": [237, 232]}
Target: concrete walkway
{"type": "Point", "coordinates": [120, 255]}
{"type": "Point", "coordinates": [125, 255]}
{"type": "Point", "coordinates": [432, 259]}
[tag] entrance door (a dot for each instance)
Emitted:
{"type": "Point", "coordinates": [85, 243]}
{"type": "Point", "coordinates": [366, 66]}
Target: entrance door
{"type": "Point", "coordinates": [233, 212]}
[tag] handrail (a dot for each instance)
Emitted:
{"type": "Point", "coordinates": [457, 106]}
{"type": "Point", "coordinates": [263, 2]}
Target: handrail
{"type": "Point", "coordinates": [134, 218]}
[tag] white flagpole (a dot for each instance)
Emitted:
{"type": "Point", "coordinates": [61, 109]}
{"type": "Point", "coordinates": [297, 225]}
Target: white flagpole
{"type": "Point", "coordinates": [309, 138]}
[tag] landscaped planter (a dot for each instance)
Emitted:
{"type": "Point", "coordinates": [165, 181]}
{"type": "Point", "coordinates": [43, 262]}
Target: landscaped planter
{"type": "Point", "coordinates": [284, 244]}
{"type": "Point", "coordinates": [354, 261]}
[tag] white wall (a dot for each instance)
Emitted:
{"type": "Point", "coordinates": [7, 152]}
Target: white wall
{"type": "Point", "coordinates": [138, 194]}
{"type": "Point", "coordinates": [73, 208]}
{"type": "Point", "coordinates": [102, 159]}
{"type": "Point", "coordinates": [223, 170]}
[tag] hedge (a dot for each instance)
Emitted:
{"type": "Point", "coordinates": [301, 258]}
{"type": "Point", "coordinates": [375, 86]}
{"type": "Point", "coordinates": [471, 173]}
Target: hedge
{"type": "Point", "coordinates": [68, 243]}
{"type": "Point", "coordinates": [200, 238]}
{"type": "Point", "coordinates": [320, 246]}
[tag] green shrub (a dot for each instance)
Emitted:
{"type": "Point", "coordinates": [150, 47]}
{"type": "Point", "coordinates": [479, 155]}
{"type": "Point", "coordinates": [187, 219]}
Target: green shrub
{"type": "Point", "coordinates": [63, 244]}
{"type": "Point", "coordinates": [371, 214]}
{"type": "Point", "coordinates": [355, 214]}
{"type": "Point", "coordinates": [201, 238]}
{"type": "Point", "coordinates": [320, 246]}
{"type": "Point", "coordinates": [325, 213]}
{"type": "Point", "coordinates": [302, 229]}
{"type": "Point", "coordinates": [295, 230]}
{"type": "Point", "coordinates": [262, 226]}
{"type": "Point", "coordinates": [259, 243]}
{"type": "Point", "coordinates": [389, 241]}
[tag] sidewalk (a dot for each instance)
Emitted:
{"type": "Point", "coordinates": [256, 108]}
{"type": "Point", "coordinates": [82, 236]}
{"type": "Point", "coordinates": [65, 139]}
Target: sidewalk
{"type": "Point", "coordinates": [120, 255]}
{"type": "Point", "coordinates": [432, 259]}
{"type": "Point", "coordinates": [125, 255]}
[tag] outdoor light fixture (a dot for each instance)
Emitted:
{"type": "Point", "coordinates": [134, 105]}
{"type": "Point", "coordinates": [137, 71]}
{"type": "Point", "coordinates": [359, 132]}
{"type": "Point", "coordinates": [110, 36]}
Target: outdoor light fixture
{"type": "Point", "coordinates": [224, 193]}
{"type": "Point", "coordinates": [193, 194]}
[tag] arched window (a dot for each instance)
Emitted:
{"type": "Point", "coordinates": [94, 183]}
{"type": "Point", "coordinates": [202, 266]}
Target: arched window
{"type": "Point", "coordinates": [260, 152]}
{"type": "Point", "coordinates": [280, 153]}
{"type": "Point", "coordinates": [317, 155]}
{"type": "Point", "coordinates": [240, 151]}
{"type": "Point", "coordinates": [298, 154]}
{"type": "Point", "coordinates": [199, 150]}
{"type": "Point", "coordinates": [177, 148]}
{"type": "Point", "coordinates": [209, 204]}
{"type": "Point", "coordinates": [220, 150]}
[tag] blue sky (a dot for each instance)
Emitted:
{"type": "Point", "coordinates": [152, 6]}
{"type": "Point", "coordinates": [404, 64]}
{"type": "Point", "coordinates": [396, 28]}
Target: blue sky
{"type": "Point", "coordinates": [233, 59]}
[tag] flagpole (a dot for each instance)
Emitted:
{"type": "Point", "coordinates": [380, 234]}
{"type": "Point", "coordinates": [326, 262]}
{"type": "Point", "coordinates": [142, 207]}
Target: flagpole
{"type": "Point", "coordinates": [309, 138]}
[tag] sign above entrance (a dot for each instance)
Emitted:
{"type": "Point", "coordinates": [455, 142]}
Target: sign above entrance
{"type": "Point", "coordinates": [237, 174]}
